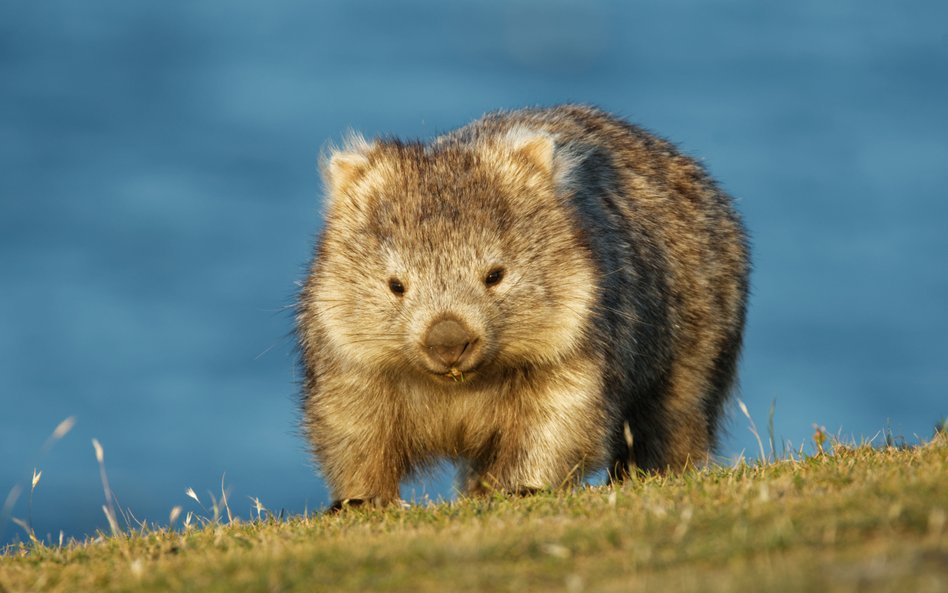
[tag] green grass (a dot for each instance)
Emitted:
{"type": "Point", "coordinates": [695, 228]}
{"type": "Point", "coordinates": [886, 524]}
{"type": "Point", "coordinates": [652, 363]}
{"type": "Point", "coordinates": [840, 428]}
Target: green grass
{"type": "Point", "coordinates": [861, 519]}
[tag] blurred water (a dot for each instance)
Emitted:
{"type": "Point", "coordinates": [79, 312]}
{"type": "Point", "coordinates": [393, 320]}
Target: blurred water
{"type": "Point", "coordinates": [158, 199]}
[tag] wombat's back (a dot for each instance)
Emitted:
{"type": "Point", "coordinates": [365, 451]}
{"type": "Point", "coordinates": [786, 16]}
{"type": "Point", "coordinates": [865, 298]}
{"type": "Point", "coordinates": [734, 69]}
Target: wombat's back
{"type": "Point", "coordinates": [673, 263]}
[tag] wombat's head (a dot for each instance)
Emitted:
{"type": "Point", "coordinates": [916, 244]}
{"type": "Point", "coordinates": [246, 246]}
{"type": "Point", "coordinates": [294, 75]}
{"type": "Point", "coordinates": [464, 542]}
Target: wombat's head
{"type": "Point", "coordinates": [454, 260]}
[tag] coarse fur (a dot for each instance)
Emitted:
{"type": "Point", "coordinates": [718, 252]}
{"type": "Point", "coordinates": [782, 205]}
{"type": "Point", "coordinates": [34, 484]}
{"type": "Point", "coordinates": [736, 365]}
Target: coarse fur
{"type": "Point", "coordinates": [610, 340]}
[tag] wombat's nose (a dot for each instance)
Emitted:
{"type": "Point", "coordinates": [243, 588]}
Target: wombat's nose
{"type": "Point", "coordinates": [448, 342]}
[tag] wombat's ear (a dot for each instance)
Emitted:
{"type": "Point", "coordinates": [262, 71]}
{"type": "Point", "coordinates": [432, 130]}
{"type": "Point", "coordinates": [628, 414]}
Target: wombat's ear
{"type": "Point", "coordinates": [539, 149]}
{"type": "Point", "coordinates": [341, 167]}
{"type": "Point", "coordinates": [536, 147]}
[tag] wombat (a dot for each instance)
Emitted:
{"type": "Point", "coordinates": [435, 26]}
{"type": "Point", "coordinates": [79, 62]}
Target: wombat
{"type": "Point", "coordinates": [537, 295]}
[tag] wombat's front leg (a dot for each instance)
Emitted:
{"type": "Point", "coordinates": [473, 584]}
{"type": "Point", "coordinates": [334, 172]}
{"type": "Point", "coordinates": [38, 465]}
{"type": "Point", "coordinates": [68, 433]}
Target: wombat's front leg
{"type": "Point", "coordinates": [361, 472]}
{"type": "Point", "coordinates": [357, 443]}
{"type": "Point", "coordinates": [522, 468]}
{"type": "Point", "coordinates": [549, 444]}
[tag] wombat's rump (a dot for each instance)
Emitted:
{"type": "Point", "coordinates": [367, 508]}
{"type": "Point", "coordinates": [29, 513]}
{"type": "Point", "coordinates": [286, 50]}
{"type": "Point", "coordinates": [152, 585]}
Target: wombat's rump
{"type": "Point", "coordinates": [519, 295]}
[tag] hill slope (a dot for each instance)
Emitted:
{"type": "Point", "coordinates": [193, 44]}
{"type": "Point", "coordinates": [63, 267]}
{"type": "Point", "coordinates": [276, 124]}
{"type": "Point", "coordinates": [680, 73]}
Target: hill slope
{"type": "Point", "coordinates": [861, 519]}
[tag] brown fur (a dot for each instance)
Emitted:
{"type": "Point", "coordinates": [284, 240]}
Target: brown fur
{"type": "Point", "coordinates": [620, 309]}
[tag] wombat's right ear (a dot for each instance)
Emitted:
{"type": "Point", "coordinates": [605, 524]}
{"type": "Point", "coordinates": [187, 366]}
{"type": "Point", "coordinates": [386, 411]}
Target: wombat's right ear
{"type": "Point", "coordinates": [341, 167]}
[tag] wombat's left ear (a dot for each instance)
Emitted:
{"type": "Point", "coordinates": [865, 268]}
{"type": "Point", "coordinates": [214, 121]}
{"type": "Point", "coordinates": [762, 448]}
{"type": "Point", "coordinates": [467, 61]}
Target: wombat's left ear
{"type": "Point", "coordinates": [341, 167]}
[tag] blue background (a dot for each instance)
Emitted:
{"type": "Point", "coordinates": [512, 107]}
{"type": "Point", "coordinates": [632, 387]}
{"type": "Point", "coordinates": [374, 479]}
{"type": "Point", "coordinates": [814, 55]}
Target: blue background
{"type": "Point", "coordinates": [159, 198]}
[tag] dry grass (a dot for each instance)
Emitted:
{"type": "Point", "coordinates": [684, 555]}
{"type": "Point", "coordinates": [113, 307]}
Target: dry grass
{"type": "Point", "coordinates": [859, 519]}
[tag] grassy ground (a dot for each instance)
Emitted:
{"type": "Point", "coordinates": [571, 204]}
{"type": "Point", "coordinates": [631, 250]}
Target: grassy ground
{"type": "Point", "coordinates": [862, 519]}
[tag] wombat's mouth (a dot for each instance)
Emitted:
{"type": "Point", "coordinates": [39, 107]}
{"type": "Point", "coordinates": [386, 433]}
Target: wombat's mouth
{"type": "Point", "coordinates": [454, 375]}
{"type": "Point", "coordinates": [457, 375]}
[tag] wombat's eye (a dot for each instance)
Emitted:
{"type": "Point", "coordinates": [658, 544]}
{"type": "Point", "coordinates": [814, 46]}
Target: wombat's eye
{"type": "Point", "coordinates": [494, 276]}
{"type": "Point", "coordinates": [396, 286]}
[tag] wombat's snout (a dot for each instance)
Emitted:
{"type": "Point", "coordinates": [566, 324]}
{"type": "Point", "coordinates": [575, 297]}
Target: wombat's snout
{"type": "Point", "coordinates": [449, 344]}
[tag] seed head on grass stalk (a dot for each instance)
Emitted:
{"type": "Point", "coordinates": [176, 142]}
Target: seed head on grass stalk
{"type": "Point", "coordinates": [203, 519]}
{"type": "Point", "coordinates": [230, 518]}
{"type": "Point", "coordinates": [190, 492]}
{"type": "Point", "coordinates": [258, 506]}
{"type": "Point", "coordinates": [753, 429]}
{"type": "Point", "coordinates": [819, 437]}
{"type": "Point", "coordinates": [630, 461]}
{"type": "Point", "coordinates": [109, 507]}
{"type": "Point", "coordinates": [61, 430]}
{"type": "Point", "coordinates": [36, 478]}
{"type": "Point", "coordinates": [173, 515]}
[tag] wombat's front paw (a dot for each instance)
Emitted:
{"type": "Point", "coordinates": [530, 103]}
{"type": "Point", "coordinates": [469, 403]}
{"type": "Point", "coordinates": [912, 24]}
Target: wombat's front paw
{"type": "Point", "coordinates": [489, 487]}
{"type": "Point", "coordinates": [352, 503]}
